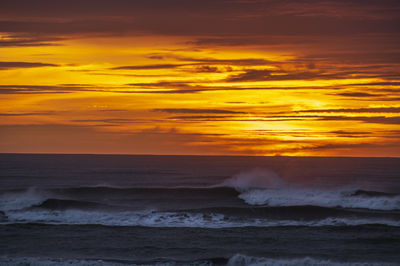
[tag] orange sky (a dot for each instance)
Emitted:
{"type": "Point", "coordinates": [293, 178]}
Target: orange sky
{"type": "Point", "coordinates": [307, 78]}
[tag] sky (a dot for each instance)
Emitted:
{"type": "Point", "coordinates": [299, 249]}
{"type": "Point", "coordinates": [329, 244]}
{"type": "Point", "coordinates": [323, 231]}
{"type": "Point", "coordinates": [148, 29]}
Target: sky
{"type": "Point", "coordinates": [210, 77]}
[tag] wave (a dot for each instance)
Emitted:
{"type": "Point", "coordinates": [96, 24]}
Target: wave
{"type": "Point", "coordinates": [16, 200]}
{"type": "Point", "coordinates": [152, 218]}
{"type": "Point", "coordinates": [263, 187]}
{"type": "Point", "coordinates": [209, 191]}
{"type": "Point", "coordinates": [36, 199]}
{"type": "Point", "coordinates": [322, 198]}
{"type": "Point", "coordinates": [93, 197]}
{"type": "Point", "coordinates": [243, 260]}
{"type": "Point", "coordinates": [256, 178]}
{"type": "Point", "coordinates": [305, 213]}
{"type": "Point", "coordinates": [235, 260]}
{"type": "Point", "coordinates": [89, 197]}
{"type": "Point", "coordinates": [62, 204]}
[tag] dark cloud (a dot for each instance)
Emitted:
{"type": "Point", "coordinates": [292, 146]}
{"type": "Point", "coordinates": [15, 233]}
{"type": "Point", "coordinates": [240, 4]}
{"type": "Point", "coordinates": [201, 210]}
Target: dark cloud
{"type": "Point", "coordinates": [11, 65]}
{"type": "Point", "coordinates": [161, 87]}
{"type": "Point", "coordinates": [166, 87]}
{"type": "Point", "coordinates": [210, 69]}
{"type": "Point", "coordinates": [235, 118]}
{"type": "Point", "coordinates": [26, 114]}
{"type": "Point", "coordinates": [355, 110]}
{"type": "Point", "coordinates": [204, 117]}
{"type": "Point", "coordinates": [356, 149]}
{"type": "Point", "coordinates": [29, 89]}
{"type": "Point", "coordinates": [327, 27]}
{"type": "Point", "coordinates": [350, 133]}
{"type": "Point", "coordinates": [143, 88]}
{"type": "Point", "coordinates": [161, 84]}
{"type": "Point", "coordinates": [22, 40]}
{"type": "Point", "coordinates": [386, 9]}
{"type": "Point", "coordinates": [147, 67]}
{"type": "Point", "coordinates": [357, 94]}
{"type": "Point", "coordinates": [201, 18]}
{"type": "Point", "coordinates": [366, 119]}
{"type": "Point", "coordinates": [215, 61]}
{"type": "Point", "coordinates": [186, 87]}
{"type": "Point", "coordinates": [334, 146]}
{"type": "Point", "coordinates": [250, 75]}
{"type": "Point", "coordinates": [277, 75]}
{"type": "Point", "coordinates": [110, 120]}
{"type": "Point", "coordinates": [273, 40]}
{"type": "Point", "coordinates": [196, 111]}
{"type": "Point", "coordinates": [42, 89]}
{"type": "Point", "coordinates": [384, 83]}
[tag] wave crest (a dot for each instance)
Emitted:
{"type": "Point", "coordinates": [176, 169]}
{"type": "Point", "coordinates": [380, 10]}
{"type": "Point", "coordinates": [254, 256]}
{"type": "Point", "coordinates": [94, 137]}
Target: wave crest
{"type": "Point", "coordinates": [20, 200]}
{"type": "Point", "coordinates": [256, 178]}
{"type": "Point", "coordinates": [264, 187]}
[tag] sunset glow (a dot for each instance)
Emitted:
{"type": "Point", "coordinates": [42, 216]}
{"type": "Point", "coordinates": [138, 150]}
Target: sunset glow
{"type": "Point", "coordinates": [200, 77]}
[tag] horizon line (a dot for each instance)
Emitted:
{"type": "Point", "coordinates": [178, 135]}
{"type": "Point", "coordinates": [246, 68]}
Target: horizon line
{"type": "Point", "coordinates": [197, 155]}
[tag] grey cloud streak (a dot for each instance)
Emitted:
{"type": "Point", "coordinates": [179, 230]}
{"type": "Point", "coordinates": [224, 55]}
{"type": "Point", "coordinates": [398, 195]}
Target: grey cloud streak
{"type": "Point", "coordinates": [12, 65]}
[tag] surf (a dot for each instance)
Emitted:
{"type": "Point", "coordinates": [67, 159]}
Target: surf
{"type": "Point", "coordinates": [266, 188]}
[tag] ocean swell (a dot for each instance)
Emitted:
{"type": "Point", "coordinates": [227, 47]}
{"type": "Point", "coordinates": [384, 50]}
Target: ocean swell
{"type": "Point", "coordinates": [176, 219]}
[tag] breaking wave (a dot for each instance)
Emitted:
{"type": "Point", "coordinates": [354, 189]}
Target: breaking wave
{"type": "Point", "coordinates": [262, 187]}
{"type": "Point", "coordinates": [257, 198]}
{"type": "Point", "coordinates": [20, 200]}
{"type": "Point", "coordinates": [334, 198]}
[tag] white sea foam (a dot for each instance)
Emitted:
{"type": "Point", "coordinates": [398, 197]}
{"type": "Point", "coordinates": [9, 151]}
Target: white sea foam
{"type": "Point", "coordinates": [174, 219]}
{"type": "Point", "coordinates": [323, 198]}
{"type": "Point", "coordinates": [20, 200]}
{"type": "Point", "coordinates": [243, 260]}
{"type": "Point", "coordinates": [256, 178]}
{"type": "Point", "coordinates": [263, 187]}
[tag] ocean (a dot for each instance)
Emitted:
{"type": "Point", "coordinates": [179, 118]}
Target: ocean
{"type": "Point", "coordinates": [198, 210]}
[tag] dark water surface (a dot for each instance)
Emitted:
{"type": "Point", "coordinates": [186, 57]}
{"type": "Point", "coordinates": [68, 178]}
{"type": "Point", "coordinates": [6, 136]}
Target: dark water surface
{"type": "Point", "coordinates": [199, 210]}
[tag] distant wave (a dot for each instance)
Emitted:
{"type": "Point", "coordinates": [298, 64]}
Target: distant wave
{"type": "Point", "coordinates": [204, 191]}
{"type": "Point", "coordinates": [235, 260]}
{"type": "Point", "coordinates": [303, 213]}
{"type": "Point", "coordinates": [269, 197]}
{"type": "Point", "coordinates": [62, 204]}
{"type": "Point", "coordinates": [69, 197]}
{"type": "Point", "coordinates": [176, 219]}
